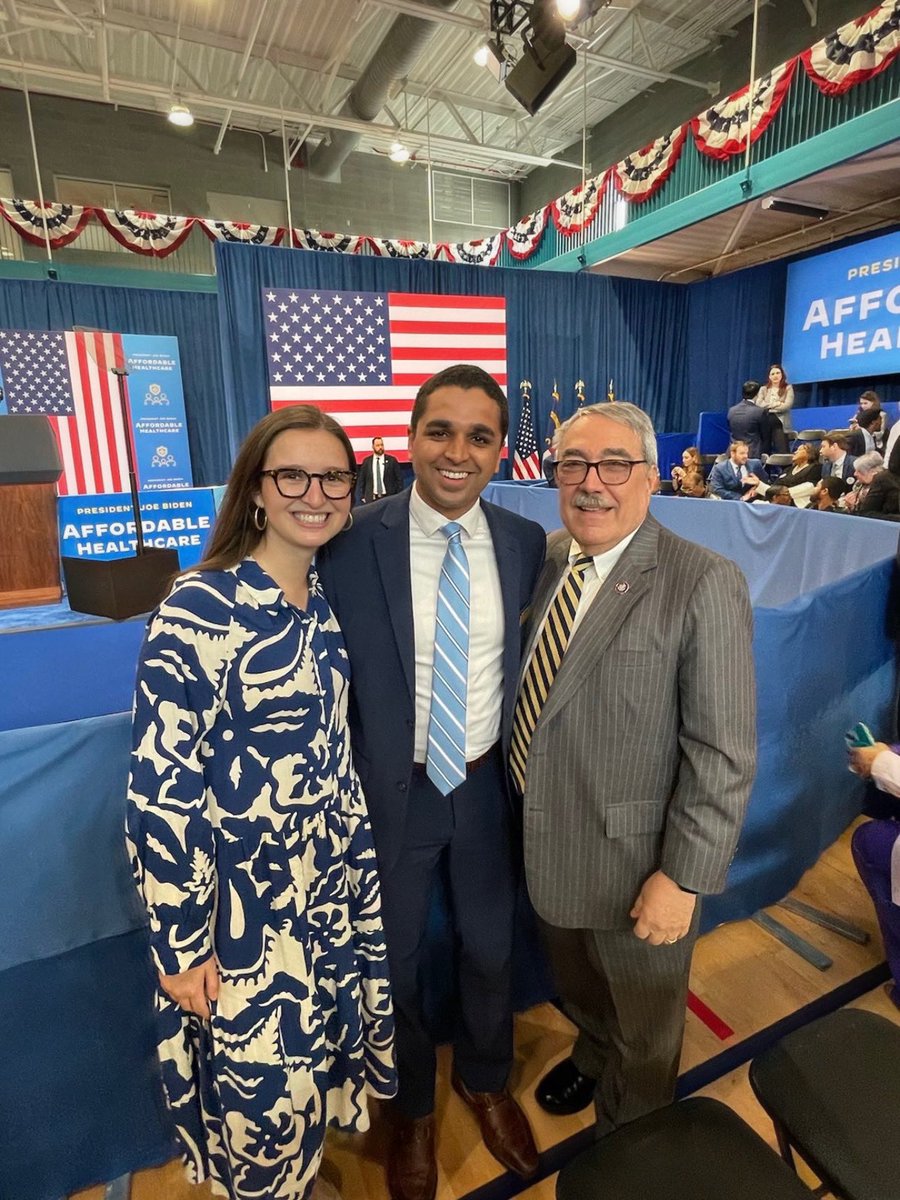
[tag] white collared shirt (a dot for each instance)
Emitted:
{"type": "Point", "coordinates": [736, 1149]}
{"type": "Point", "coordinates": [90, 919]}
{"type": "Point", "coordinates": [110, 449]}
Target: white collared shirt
{"type": "Point", "coordinates": [594, 578]}
{"type": "Point", "coordinates": [484, 695]}
{"type": "Point", "coordinates": [838, 466]}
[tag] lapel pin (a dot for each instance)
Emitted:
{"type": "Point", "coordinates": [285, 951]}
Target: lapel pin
{"type": "Point", "coordinates": [622, 587]}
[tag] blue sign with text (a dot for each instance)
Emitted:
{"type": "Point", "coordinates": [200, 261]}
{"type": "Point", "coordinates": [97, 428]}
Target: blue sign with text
{"type": "Point", "coordinates": [103, 526]}
{"type": "Point", "coordinates": [842, 313]}
{"type": "Point", "coordinates": [156, 395]}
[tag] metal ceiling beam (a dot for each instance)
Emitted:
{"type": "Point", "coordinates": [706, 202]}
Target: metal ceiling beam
{"type": "Point", "coordinates": [279, 57]}
{"type": "Point", "coordinates": [242, 70]}
{"type": "Point", "coordinates": [414, 8]}
{"type": "Point", "coordinates": [413, 138]}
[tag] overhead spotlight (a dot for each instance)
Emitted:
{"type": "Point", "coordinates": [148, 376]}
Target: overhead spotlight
{"type": "Point", "coordinates": [568, 9]}
{"type": "Point", "coordinates": [181, 115]}
{"type": "Point", "coordinates": [398, 153]}
{"type": "Point", "coordinates": [491, 55]}
{"type": "Point", "coordinates": [798, 208]}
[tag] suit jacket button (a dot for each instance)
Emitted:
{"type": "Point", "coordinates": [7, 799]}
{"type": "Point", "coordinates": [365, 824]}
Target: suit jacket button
{"type": "Point", "coordinates": [401, 787]}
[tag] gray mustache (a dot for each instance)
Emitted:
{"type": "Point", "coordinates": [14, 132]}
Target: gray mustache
{"type": "Point", "coordinates": [588, 501]}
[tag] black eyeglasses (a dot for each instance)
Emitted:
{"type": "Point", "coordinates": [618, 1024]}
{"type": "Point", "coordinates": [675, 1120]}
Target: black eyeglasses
{"type": "Point", "coordinates": [610, 471]}
{"type": "Point", "coordinates": [294, 482]}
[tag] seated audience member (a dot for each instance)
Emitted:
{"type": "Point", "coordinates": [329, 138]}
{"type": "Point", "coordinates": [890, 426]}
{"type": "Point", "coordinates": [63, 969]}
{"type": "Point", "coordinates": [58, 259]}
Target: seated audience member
{"type": "Point", "coordinates": [778, 494]}
{"type": "Point", "coordinates": [693, 486]}
{"type": "Point", "coordinates": [738, 475]}
{"type": "Point", "coordinates": [876, 490]}
{"type": "Point", "coordinates": [829, 494]}
{"type": "Point", "coordinates": [835, 459]}
{"type": "Point", "coordinates": [690, 461]}
{"type": "Point", "coordinates": [747, 421]}
{"type": "Point", "coordinates": [802, 477]}
{"type": "Point", "coordinates": [872, 421]}
{"type": "Point", "coordinates": [876, 852]}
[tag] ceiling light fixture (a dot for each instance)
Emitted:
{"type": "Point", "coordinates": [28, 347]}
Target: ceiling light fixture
{"type": "Point", "coordinates": [481, 55]}
{"type": "Point", "coordinates": [568, 9]}
{"type": "Point", "coordinates": [398, 153]}
{"type": "Point", "coordinates": [798, 208]}
{"type": "Point", "coordinates": [181, 115]}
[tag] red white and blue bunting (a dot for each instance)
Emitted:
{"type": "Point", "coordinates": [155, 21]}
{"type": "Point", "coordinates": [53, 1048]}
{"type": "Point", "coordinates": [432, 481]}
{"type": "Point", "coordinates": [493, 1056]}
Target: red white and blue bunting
{"type": "Point", "coordinates": [524, 237]}
{"type": "Point", "coordinates": [856, 51]}
{"type": "Point", "coordinates": [721, 131]}
{"type": "Point", "coordinates": [146, 233]}
{"type": "Point", "coordinates": [848, 56]}
{"type": "Point", "coordinates": [578, 207]}
{"type": "Point", "coordinates": [639, 175]}
{"type": "Point", "coordinates": [63, 222]}
{"type": "Point", "coordinates": [483, 252]}
{"type": "Point", "coordinates": [240, 231]}
{"type": "Point", "coordinates": [406, 248]}
{"type": "Point", "coordinates": [337, 243]}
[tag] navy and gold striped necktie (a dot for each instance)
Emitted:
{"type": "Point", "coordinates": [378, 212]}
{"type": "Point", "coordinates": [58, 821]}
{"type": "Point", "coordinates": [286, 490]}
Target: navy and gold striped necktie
{"type": "Point", "coordinates": [549, 648]}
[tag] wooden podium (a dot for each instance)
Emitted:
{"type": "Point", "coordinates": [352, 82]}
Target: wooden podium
{"type": "Point", "coordinates": [29, 543]}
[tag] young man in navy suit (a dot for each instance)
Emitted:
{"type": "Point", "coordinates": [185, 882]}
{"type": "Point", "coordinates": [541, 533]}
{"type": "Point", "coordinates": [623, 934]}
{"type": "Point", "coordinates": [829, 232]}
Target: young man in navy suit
{"type": "Point", "coordinates": [427, 716]}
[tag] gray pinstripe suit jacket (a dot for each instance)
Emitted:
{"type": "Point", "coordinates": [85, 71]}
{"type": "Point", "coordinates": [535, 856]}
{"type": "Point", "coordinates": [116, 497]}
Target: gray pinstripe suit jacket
{"type": "Point", "coordinates": [645, 751]}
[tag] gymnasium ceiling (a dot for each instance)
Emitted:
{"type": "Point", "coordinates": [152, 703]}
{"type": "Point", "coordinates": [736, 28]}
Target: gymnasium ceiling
{"type": "Point", "coordinates": [249, 66]}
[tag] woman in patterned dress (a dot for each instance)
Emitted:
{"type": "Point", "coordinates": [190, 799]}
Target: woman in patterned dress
{"type": "Point", "coordinates": [249, 836]}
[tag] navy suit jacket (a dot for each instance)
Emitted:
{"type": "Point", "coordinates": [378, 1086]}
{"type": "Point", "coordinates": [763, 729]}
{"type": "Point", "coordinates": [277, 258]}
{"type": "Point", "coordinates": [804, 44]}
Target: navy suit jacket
{"type": "Point", "coordinates": [846, 471]}
{"type": "Point", "coordinates": [724, 483]}
{"type": "Point", "coordinates": [746, 421]}
{"type": "Point", "coordinates": [365, 573]}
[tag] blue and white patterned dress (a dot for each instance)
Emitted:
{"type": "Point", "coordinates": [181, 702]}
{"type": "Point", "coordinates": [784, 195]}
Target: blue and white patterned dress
{"type": "Point", "coordinates": [249, 838]}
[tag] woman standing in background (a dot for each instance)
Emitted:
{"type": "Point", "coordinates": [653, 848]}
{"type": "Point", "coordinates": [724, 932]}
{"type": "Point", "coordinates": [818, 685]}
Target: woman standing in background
{"type": "Point", "coordinates": [777, 397]}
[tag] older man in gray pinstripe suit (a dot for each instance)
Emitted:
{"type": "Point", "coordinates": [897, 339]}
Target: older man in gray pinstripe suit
{"type": "Point", "coordinates": [634, 747]}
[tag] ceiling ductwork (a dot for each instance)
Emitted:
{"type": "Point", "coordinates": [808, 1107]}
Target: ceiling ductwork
{"type": "Point", "coordinates": [393, 60]}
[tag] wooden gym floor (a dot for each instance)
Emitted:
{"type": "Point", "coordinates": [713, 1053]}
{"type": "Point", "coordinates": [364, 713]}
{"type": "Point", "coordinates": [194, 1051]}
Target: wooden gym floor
{"type": "Point", "coordinates": [747, 978]}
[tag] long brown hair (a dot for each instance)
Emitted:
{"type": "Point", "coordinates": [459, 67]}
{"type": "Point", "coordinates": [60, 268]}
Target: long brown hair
{"type": "Point", "coordinates": [234, 534]}
{"type": "Point", "coordinates": [784, 379]}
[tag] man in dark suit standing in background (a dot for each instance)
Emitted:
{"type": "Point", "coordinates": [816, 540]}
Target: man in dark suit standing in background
{"type": "Point", "coordinates": [379, 475]}
{"type": "Point", "coordinates": [434, 640]}
{"type": "Point", "coordinates": [634, 746]}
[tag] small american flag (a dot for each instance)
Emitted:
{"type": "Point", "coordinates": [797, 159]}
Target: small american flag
{"type": "Point", "coordinates": [362, 356]}
{"type": "Point", "coordinates": [526, 460]}
{"type": "Point", "coordinates": [66, 377]}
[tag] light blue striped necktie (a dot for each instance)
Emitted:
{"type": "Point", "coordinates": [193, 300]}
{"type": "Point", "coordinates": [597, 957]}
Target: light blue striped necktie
{"type": "Point", "coordinates": [446, 758]}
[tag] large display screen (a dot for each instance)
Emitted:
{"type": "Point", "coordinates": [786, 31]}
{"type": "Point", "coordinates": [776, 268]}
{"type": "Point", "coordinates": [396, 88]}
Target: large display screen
{"type": "Point", "coordinates": [842, 313]}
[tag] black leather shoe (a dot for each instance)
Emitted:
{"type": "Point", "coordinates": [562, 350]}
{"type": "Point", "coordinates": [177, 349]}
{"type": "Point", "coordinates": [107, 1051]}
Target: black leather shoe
{"type": "Point", "coordinates": [564, 1090]}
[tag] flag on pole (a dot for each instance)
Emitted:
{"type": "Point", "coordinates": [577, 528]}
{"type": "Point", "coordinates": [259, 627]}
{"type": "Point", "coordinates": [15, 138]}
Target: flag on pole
{"type": "Point", "coordinates": [579, 392]}
{"type": "Point", "coordinates": [554, 410]}
{"type": "Point", "coordinates": [526, 460]}
{"type": "Point", "coordinates": [611, 393]}
{"type": "Point", "coordinates": [67, 377]}
{"type": "Point", "coordinates": [362, 356]}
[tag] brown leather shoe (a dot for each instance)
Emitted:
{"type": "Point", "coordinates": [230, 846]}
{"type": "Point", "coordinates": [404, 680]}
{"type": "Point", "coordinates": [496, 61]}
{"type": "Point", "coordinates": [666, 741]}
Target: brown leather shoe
{"type": "Point", "coordinates": [412, 1167]}
{"type": "Point", "coordinates": [504, 1128]}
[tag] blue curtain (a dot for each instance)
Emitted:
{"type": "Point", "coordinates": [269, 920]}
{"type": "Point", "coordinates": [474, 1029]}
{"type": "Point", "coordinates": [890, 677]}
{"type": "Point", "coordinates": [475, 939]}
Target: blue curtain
{"type": "Point", "coordinates": [560, 327]}
{"type": "Point", "coordinates": [190, 316]}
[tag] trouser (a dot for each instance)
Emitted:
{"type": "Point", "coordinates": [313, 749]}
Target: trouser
{"type": "Point", "coordinates": [628, 1001]}
{"type": "Point", "coordinates": [872, 845]}
{"type": "Point", "coordinates": [468, 831]}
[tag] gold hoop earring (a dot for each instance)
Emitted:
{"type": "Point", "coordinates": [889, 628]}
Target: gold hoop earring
{"type": "Point", "coordinates": [349, 524]}
{"type": "Point", "coordinates": [260, 525]}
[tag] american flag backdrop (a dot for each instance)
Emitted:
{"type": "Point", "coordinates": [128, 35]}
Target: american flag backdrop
{"type": "Point", "coordinates": [361, 356]}
{"type": "Point", "coordinates": [526, 460]}
{"type": "Point", "coordinates": [67, 378]}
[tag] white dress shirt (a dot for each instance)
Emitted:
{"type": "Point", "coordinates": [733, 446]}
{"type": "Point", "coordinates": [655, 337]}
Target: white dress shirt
{"type": "Point", "coordinates": [378, 475]}
{"type": "Point", "coordinates": [594, 578]}
{"type": "Point", "coordinates": [484, 692]}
